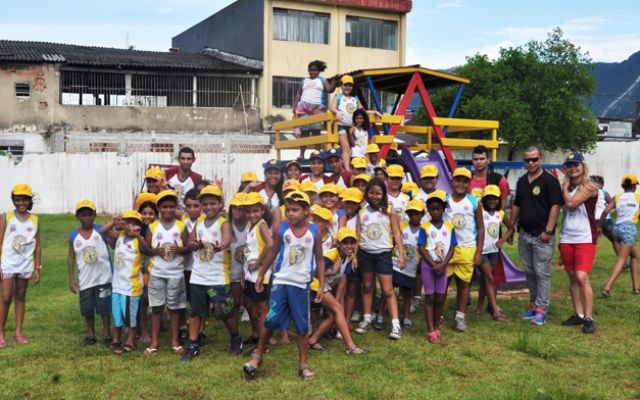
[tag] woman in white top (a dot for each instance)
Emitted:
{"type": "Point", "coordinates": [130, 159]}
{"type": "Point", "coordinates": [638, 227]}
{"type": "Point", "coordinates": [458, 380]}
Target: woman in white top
{"type": "Point", "coordinates": [578, 238]}
{"type": "Point", "coordinates": [311, 98]}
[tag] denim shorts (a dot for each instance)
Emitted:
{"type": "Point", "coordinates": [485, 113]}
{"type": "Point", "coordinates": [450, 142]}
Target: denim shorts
{"type": "Point", "coordinates": [491, 258]}
{"type": "Point", "coordinates": [97, 298]}
{"type": "Point", "coordinates": [380, 263]}
{"type": "Point", "coordinates": [607, 226]}
{"type": "Point", "coordinates": [625, 233]}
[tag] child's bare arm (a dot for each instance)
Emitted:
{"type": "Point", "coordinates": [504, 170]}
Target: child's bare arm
{"type": "Point", "coordinates": [320, 266]}
{"type": "Point", "coordinates": [71, 262]}
{"type": "Point", "coordinates": [477, 259]}
{"type": "Point", "coordinates": [397, 238]}
{"type": "Point", "coordinates": [265, 257]}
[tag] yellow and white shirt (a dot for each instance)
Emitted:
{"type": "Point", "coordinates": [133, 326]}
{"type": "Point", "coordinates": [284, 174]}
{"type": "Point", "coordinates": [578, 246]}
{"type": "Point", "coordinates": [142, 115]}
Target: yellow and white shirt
{"type": "Point", "coordinates": [332, 260]}
{"type": "Point", "coordinates": [238, 251]}
{"type": "Point", "coordinates": [127, 273]}
{"type": "Point", "coordinates": [208, 268]}
{"type": "Point", "coordinates": [92, 258]}
{"type": "Point", "coordinates": [361, 140]}
{"type": "Point", "coordinates": [438, 241]}
{"type": "Point", "coordinates": [627, 209]}
{"type": "Point", "coordinates": [492, 223]}
{"type": "Point", "coordinates": [19, 244]}
{"type": "Point", "coordinates": [189, 224]}
{"type": "Point", "coordinates": [399, 203]}
{"type": "Point", "coordinates": [171, 265]}
{"type": "Point", "coordinates": [255, 247]}
{"type": "Point", "coordinates": [375, 227]}
{"type": "Point", "coordinates": [411, 254]}
{"type": "Point", "coordinates": [295, 266]}
{"type": "Point", "coordinates": [462, 215]}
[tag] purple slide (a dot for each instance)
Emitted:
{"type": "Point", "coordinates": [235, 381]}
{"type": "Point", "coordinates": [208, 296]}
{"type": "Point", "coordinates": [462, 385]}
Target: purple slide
{"type": "Point", "coordinates": [507, 275]}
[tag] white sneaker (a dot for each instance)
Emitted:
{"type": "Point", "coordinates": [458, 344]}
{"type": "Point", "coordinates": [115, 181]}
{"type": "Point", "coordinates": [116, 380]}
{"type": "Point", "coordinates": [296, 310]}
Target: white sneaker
{"type": "Point", "coordinates": [355, 317]}
{"type": "Point", "coordinates": [245, 316]}
{"type": "Point", "coordinates": [396, 333]}
{"type": "Point", "coordinates": [339, 335]}
{"type": "Point", "coordinates": [417, 301]}
{"type": "Point", "coordinates": [412, 309]}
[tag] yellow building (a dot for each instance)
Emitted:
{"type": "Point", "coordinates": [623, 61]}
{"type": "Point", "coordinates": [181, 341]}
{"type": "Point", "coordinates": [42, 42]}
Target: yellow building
{"type": "Point", "coordinates": [287, 34]}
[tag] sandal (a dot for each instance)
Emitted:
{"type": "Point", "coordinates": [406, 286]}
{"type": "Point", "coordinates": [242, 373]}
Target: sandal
{"type": "Point", "coordinates": [433, 338]}
{"type": "Point", "coordinates": [356, 350]}
{"type": "Point", "coordinates": [500, 318]}
{"type": "Point", "coordinates": [20, 339]}
{"type": "Point", "coordinates": [605, 293]}
{"type": "Point", "coordinates": [318, 347]}
{"type": "Point", "coordinates": [249, 370]}
{"type": "Point", "coordinates": [309, 376]}
{"type": "Point", "coordinates": [253, 350]}
{"type": "Point", "coordinates": [114, 345]}
{"type": "Point", "coordinates": [125, 348]}
{"type": "Point", "coordinates": [636, 290]}
{"type": "Point", "coordinates": [178, 350]}
{"type": "Point", "coordinates": [149, 351]}
{"type": "Point", "coordinates": [3, 343]}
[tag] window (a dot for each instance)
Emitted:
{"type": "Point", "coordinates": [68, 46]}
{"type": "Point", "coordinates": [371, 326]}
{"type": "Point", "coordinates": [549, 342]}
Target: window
{"type": "Point", "coordinates": [23, 90]}
{"type": "Point", "coordinates": [284, 91]}
{"type": "Point", "coordinates": [372, 33]}
{"type": "Point", "coordinates": [92, 88]}
{"type": "Point", "coordinates": [217, 91]}
{"type": "Point", "coordinates": [300, 26]}
{"type": "Point", "coordinates": [162, 90]}
{"type": "Point", "coordinates": [387, 99]}
{"type": "Point", "coordinates": [15, 147]}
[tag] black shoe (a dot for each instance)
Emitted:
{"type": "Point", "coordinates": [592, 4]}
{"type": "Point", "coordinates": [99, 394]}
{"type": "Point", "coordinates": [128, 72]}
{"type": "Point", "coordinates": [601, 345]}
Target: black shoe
{"type": "Point", "coordinates": [106, 342]}
{"type": "Point", "coordinates": [574, 320]}
{"type": "Point", "coordinates": [330, 336]}
{"type": "Point", "coordinates": [202, 338]}
{"type": "Point", "coordinates": [588, 326]}
{"type": "Point", "coordinates": [88, 341]}
{"type": "Point", "coordinates": [626, 266]}
{"type": "Point", "coordinates": [252, 340]}
{"type": "Point", "coordinates": [184, 336]}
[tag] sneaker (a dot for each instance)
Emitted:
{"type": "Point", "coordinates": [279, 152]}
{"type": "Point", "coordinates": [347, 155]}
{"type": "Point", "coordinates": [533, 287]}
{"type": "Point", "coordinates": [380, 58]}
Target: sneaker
{"type": "Point", "coordinates": [574, 320]}
{"type": "Point", "coordinates": [379, 324]}
{"type": "Point", "coordinates": [530, 313]}
{"type": "Point", "coordinates": [588, 326]}
{"type": "Point", "coordinates": [88, 341]}
{"type": "Point", "coordinates": [355, 317]}
{"type": "Point", "coordinates": [191, 353]}
{"type": "Point", "coordinates": [412, 309]}
{"type": "Point", "coordinates": [236, 347]}
{"type": "Point", "coordinates": [406, 323]}
{"type": "Point", "coordinates": [396, 333]}
{"type": "Point", "coordinates": [184, 336]}
{"type": "Point", "coordinates": [339, 335]}
{"type": "Point", "coordinates": [416, 301]}
{"type": "Point", "coordinates": [364, 327]}
{"type": "Point", "coordinates": [489, 310]}
{"type": "Point", "coordinates": [540, 317]}
{"type": "Point", "coordinates": [330, 335]}
{"type": "Point", "coordinates": [245, 316]}
{"type": "Point", "coordinates": [459, 325]}
{"type": "Point", "coordinates": [202, 338]}
{"type": "Point", "coordinates": [106, 342]}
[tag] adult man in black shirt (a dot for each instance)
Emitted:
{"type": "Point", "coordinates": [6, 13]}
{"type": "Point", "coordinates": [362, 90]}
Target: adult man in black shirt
{"type": "Point", "coordinates": [536, 206]}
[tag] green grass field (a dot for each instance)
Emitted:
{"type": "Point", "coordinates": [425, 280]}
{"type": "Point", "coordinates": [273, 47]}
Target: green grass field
{"type": "Point", "coordinates": [516, 360]}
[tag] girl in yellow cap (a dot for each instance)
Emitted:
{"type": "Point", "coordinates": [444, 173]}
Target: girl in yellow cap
{"type": "Point", "coordinates": [20, 260]}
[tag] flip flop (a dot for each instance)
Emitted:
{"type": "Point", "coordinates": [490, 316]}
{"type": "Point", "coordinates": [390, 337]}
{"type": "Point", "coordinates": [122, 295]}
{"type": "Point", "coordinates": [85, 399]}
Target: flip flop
{"type": "Point", "coordinates": [150, 352]}
{"type": "Point", "coordinates": [178, 350]}
{"type": "Point", "coordinates": [309, 376]}
{"type": "Point", "coordinates": [3, 343]}
{"type": "Point", "coordinates": [20, 339]}
{"type": "Point", "coordinates": [320, 348]}
{"type": "Point", "coordinates": [356, 350]}
{"type": "Point", "coordinates": [125, 348]}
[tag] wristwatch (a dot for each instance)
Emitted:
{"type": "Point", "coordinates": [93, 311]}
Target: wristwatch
{"type": "Point", "coordinates": [548, 232]}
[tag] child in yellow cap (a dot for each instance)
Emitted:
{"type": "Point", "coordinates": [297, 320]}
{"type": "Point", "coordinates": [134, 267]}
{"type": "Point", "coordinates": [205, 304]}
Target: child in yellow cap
{"type": "Point", "coordinates": [373, 152]}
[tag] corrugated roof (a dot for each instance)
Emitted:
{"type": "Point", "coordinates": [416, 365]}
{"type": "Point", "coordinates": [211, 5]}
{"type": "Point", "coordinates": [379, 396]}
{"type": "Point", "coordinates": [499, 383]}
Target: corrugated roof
{"type": "Point", "coordinates": [19, 51]}
{"type": "Point", "coordinates": [396, 79]}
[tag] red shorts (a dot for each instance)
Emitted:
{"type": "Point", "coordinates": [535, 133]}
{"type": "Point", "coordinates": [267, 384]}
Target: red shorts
{"type": "Point", "coordinates": [578, 256]}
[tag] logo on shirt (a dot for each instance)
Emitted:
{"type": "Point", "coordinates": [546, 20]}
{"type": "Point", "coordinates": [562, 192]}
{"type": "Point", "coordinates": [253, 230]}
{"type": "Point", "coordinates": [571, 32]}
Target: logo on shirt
{"type": "Point", "coordinates": [159, 236]}
{"type": "Point", "coordinates": [374, 232]}
{"type": "Point", "coordinates": [90, 255]}
{"type": "Point", "coordinates": [459, 221]}
{"type": "Point", "coordinates": [12, 228]}
{"type": "Point", "coordinates": [118, 263]}
{"type": "Point", "coordinates": [241, 254]}
{"type": "Point", "coordinates": [168, 255]}
{"type": "Point", "coordinates": [439, 250]}
{"type": "Point", "coordinates": [206, 253]}
{"type": "Point", "coordinates": [287, 239]}
{"type": "Point", "coordinates": [29, 229]}
{"type": "Point", "coordinates": [536, 190]}
{"type": "Point", "coordinates": [179, 191]}
{"type": "Point", "coordinates": [350, 108]}
{"type": "Point", "coordinates": [493, 229]}
{"type": "Point", "coordinates": [361, 141]}
{"type": "Point", "coordinates": [296, 255]}
{"type": "Point", "coordinates": [409, 252]}
{"type": "Point", "coordinates": [19, 244]}
{"type": "Point", "coordinates": [78, 243]}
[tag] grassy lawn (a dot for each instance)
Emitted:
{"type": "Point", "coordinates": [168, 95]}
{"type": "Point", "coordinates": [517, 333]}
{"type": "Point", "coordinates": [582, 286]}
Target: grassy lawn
{"type": "Point", "coordinates": [513, 360]}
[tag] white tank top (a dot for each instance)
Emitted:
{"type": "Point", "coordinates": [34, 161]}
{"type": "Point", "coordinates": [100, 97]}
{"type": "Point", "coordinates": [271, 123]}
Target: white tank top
{"type": "Point", "coordinates": [627, 207]}
{"type": "Point", "coordinates": [238, 247]}
{"type": "Point", "coordinates": [333, 229]}
{"type": "Point", "coordinates": [327, 243]}
{"type": "Point", "coordinates": [313, 90]}
{"type": "Point", "coordinates": [172, 265]}
{"type": "Point", "coordinates": [180, 188]}
{"type": "Point", "coordinates": [333, 256]}
{"type": "Point", "coordinates": [462, 216]}
{"type": "Point", "coordinates": [399, 203]}
{"type": "Point", "coordinates": [376, 233]}
{"type": "Point", "coordinates": [92, 257]}
{"type": "Point", "coordinates": [579, 225]}
{"type": "Point", "coordinates": [255, 247]}
{"type": "Point", "coordinates": [352, 222]}
{"type": "Point", "coordinates": [296, 262]}
{"type": "Point", "coordinates": [208, 268]}
{"type": "Point", "coordinates": [411, 254]}
{"type": "Point", "coordinates": [371, 169]}
{"type": "Point", "coordinates": [347, 106]}
{"type": "Point", "coordinates": [19, 244]}
{"type": "Point", "coordinates": [491, 230]}
{"type": "Point", "coordinates": [361, 140]}
{"type": "Point", "coordinates": [127, 273]}
{"type": "Point", "coordinates": [188, 225]}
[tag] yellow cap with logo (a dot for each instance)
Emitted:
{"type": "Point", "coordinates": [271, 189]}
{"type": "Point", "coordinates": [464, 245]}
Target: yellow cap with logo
{"type": "Point", "coordinates": [409, 187]}
{"type": "Point", "coordinates": [210, 191]}
{"type": "Point", "coordinates": [373, 148]}
{"type": "Point", "coordinates": [462, 172]}
{"type": "Point", "coordinates": [429, 171]}
{"type": "Point", "coordinates": [352, 194]}
{"type": "Point", "coordinates": [144, 197]}
{"type": "Point", "coordinates": [86, 204]}
{"type": "Point", "coordinates": [132, 214]}
{"type": "Point", "coordinates": [346, 79]}
{"type": "Point", "coordinates": [438, 194]}
{"type": "Point", "coordinates": [22, 189]}
{"type": "Point", "coordinates": [364, 177]}
{"type": "Point", "coordinates": [395, 171]}
{"type": "Point", "coordinates": [633, 180]}
{"type": "Point", "coordinates": [416, 205]}
{"type": "Point", "coordinates": [249, 176]}
{"type": "Point", "coordinates": [323, 213]}
{"type": "Point", "coordinates": [308, 186]}
{"type": "Point", "coordinates": [329, 188]}
{"type": "Point", "coordinates": [297, 195]}
{"type": "Point", "coordinates": [291, 184]}
{"type": "Point", "coordinates": [166, 193]}
{"type": "Point", "coordinates": [491, 190]}
{"type": "Point", "coordinates": [359, 163]}
{"type": "Point", "coordinates": [345, 233]}
{"type": "Point", "coordinates": [253, 198]}
{"type": "Point", "coordinates": [154, 173]}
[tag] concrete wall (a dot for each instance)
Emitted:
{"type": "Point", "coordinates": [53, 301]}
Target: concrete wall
{"type": "Point", "coordinates": [238, 29]}
{"type": "Point", "coordinates": [43, 111]}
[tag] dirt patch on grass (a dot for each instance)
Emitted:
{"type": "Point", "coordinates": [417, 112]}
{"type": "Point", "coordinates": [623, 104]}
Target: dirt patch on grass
{"type": "Point", "coordinates": [521, 294]}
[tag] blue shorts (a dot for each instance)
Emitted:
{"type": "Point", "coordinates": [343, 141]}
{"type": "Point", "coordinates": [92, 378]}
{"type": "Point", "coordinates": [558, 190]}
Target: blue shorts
{"type": "Point", "coordinates": [607, 226]}
{"type": "Point", "coordinates": [97, 298]}
{"type": "Point", "coordinates": [288, 302]}
{"type": "Point", "coordinates": [380, 263]}
{"type": "Point", "coordinates": [403, 281]}
{"type": "Point", "coordinates": [625, 233]}
{"type": "Point", "coordinates": [125, 310]}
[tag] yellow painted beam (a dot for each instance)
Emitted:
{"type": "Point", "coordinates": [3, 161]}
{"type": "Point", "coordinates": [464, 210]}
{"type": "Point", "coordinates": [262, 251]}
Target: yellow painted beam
{"type": "Point", "coordinates": [415, 129]}
{"type": "Point", "coordinates": [469, 143]}
{"type": "Point", "coordinates": [310, 141]}
{"type": "Point", "coordinates": [289, 125]}
{"type": "Point", "coordinates": [386, 119]}
{"type": "Point", "coordinates": [466, 123]}
{"type": "Point", "coordinates": [383, 139]}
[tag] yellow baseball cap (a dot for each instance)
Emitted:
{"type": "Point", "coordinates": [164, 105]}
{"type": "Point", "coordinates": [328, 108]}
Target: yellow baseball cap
{"type": "Point", "coordinates": [359, 162]}
{"type": "Point", "coordinates": [329, 188]}
{"type": "Point", "coordinates": [253, 198]}
{"type": "Point", "coordinates": [236, 200]}
{"type": "Point", "coordinates": [291, 184]}
{"type": "Point", "coordinates": [210, 191]}
{"type": "Point", "coordinates": [154, 173]}
{"type": "Point", "coordinates": [86, 204]}
{"type": "Point", "coordinates": [341, 190]}
{"type": "Point", "coordinates": [249, 176]}
{"type": "Point", "coordinates": [308, 186]}
{"type": "Point", "coordinates": [461, 172]}
{"type": "Point", "coordinates": [346, 79]}
{"type": "Point", "coordinates": [429, 171]}
{"type": "Point", "coordinates": [22, 189]}
{"type": "Point", "coordinates": [323, 213]}
{"type": "Point", "coordinates": [394, 146]}
{"type": "Point", "coordinates": [416, 205]}
{"type": "Point", "coordinates": [409, 187]}
{"type": "Point", "coordinates": [373, 148]}
{"type": "Point", "coordinates": [166, 193]}
{"type": "Point", "coordinates": [438, 194]}
{"type": "Point", "coordinates": [297, 195]}
{"type": "Point", "coordinates": [132, 214]}
{"type": "Point", "coordinates": [144, 197]}
{"type": "Point", "coordinates": [294, 162]}
{"type": "Point", "coordinates": [352, 194]}
{"type": "Point", "coordinates": [632, 178]}
{"type": "Point", "coordinates": [491, 190]}
{"type": "Point", "coordinates": [395, 171]}
{"type": "Point", "coordinates": [346, 232]}
{"type": "Point", "coordinates": [364, 177]}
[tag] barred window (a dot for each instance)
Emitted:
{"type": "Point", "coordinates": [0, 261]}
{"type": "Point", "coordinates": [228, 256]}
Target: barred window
{"type": "Point", "coordinates": [92, 88]}
{"type": "Point", "coordinates": [217, 91]}
{"type": "Point", "coordinates": [371, 33]}
{"type": "Point", "coordinates": [23, 90]}
{"type": "Point", "coordinates": [284, 91]}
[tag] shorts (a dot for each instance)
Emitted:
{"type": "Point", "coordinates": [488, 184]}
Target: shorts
{"type": "Point", "coordinates": [354, 275]}
{"type": "Point", "coordinates": [578, 256]}
{"type": "Point", "coordinates": [403, 281]}
{"type": "Point", "coordinates": [312, 304]}
{"type": "Point", "coordinates": [607, 226]}
{"type": "Point", "coordinates": [125, 310]}
{"type": "Point", "coordinates": [304, 109]}
{"type": "Point", "coordinates": [187, 280]}
{"type": "Point", "coordinates": [167, 291]}
{"type": "Point", "coordinates": [461, 264]}
{"type": "Point", "coordinates": [491, 258]}
{"type": "Point", "coordinates": [250, 292]}
{"type": "Point", "coordinates": [433, 283]}
{"type": "Point", "coordinates": [12, 275]}
{"type": "Point", "coordinates": [343, 130]}
{"type": "Point", "coordinates": [380, 263]}
{"type": "Point", "coordinates": [97, 298]}
{"type": "Point", "coordinates": [220, 297]}
{"type": "Point", "coordinates": [625, 233]}
{"type": "Point", "coordinates": [288, 302]}
{"type": "Point", "coordinates": [235, 273]}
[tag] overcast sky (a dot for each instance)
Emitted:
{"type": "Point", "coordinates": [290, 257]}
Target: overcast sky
{"type": "Point", "coordinates": [440, 33]}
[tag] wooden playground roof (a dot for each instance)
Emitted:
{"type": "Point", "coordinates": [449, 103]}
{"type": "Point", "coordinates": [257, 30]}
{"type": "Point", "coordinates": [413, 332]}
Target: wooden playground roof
{"type": "Point", "coordinates": [396, 80]}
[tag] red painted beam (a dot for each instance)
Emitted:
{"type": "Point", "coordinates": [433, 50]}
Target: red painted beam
{"type": "Point", "coordinates": [403, 6]}
{"type": "Point", "coordinates": [401, 110]}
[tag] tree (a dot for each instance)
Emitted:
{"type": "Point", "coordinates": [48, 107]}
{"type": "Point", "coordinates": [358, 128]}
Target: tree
{"type": "Point", "coordinates": [540, 94]}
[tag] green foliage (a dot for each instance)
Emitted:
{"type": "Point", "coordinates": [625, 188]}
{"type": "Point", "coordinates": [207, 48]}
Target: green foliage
{"type": "Point", "coordinates": [538, 92]}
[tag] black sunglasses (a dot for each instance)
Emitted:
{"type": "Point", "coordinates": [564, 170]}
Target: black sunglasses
{"type": "Point", "coordinates": [531, 160]}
